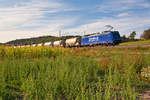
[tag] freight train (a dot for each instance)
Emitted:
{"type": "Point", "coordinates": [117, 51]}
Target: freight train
{"type": "Point", "coordinates": [104, 38]}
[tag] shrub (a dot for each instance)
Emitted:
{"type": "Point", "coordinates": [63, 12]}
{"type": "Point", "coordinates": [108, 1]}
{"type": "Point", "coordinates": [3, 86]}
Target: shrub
{"type": "Point", "coordinates": [146, 34]}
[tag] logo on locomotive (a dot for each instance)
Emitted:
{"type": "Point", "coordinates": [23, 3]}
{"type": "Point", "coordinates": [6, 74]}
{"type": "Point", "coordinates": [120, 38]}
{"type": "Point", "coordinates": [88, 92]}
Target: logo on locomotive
{"type": "Point", "coordinates": [93, 39]}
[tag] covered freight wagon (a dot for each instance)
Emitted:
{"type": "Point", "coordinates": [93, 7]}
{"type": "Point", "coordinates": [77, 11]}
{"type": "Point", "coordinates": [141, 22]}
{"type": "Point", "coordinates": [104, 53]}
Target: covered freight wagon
{"type": "Point", "coordinates": [34, 45]}
{"type": "Point", "coordinates": [47, 43]}
{"type": "Point", "coordinates": [107, 37]}
{"type": "Point", "coordinates": [40, 44]}
{"type": "Point", "coordinates": [73, 42]}
{"type": "Point", "coordinates": [59, 43]}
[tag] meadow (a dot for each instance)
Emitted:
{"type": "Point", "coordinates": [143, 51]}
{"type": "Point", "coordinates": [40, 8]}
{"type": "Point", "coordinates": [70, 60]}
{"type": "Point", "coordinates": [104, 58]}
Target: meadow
{"type": "Point", "coordinates": [44, 73]}
{"type": "Point", "coordinates": [140, 42]}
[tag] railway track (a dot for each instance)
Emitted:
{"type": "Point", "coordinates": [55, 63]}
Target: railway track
{"type": "Point", "coordinates": [120, 47]}
{"type": "Point", "coordinates": [128, 46]}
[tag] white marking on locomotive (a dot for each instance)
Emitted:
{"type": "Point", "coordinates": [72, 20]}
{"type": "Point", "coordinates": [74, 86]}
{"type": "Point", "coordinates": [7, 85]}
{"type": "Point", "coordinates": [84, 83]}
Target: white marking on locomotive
{"type": "Point", "coordinates": [93, 39]}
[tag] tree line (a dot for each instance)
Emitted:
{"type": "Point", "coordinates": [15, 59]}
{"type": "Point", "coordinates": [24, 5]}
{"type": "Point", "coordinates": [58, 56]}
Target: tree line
{"type": "Point", "coordinates": [131, 37]}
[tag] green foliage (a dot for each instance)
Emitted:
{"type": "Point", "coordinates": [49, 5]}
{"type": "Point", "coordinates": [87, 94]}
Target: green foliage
{"type": "Point", "coordinates": [132, 35]}
{"type": "Point", "coordinates": [140, 42]}
{"type": "Point", "coordinates": [1, 43]}
{"type": "Point", "coordinates": [146, 34]}
{"type": "Point", "coordinates": [68, 74]}
{"type": "Point", "coordinates": [124, 38]}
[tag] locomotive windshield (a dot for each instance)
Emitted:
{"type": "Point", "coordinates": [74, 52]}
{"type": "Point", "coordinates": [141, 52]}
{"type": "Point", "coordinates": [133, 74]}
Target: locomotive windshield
{"type": "Point", "coordinates": [116, 35]}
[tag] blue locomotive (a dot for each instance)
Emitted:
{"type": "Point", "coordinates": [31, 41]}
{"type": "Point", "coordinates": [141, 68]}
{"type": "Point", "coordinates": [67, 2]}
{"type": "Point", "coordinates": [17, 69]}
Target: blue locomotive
{"type": "Point", "coordinates": [107, 37]}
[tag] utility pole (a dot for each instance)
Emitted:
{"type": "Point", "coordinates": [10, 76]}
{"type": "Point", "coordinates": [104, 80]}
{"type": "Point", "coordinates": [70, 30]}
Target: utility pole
{"type": "Point", "coordinates": [59, 33]}
{"type": "Point", "coordinates": [84, 32]}
{"type": "Point", "coordinates": [87, 28]}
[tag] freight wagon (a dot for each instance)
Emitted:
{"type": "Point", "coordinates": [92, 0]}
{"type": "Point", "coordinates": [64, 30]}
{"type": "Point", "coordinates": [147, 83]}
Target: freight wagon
{"type": "Point", "coordinates": [47, 43]}
{"type": "Point", "coordinates": [40, 44]}
{"type": "Point", "coordinates": [60, 43]}
{"type": "Point", "coordinates": [72, 42]}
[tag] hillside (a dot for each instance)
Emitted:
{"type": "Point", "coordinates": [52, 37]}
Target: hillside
{"type": "Point", "coordinates": [1, 43]}
{"type": "Point", "coordinates": [37, 40]}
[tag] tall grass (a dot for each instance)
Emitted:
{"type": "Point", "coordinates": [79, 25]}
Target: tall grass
{"type": "Point", "coordinates": [30, 52]}
{"type": "Point", "coordinates": [62, 74]}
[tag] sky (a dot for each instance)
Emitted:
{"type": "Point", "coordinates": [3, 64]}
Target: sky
{"type": "Point", "coordinates": [32, 18]}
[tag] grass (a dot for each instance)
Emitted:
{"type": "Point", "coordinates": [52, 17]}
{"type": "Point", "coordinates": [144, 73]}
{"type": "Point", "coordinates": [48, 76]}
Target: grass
{"type": "Point", "coordinates": [43, 73]}
{"type": "Point", "coordinates": [136, 42]}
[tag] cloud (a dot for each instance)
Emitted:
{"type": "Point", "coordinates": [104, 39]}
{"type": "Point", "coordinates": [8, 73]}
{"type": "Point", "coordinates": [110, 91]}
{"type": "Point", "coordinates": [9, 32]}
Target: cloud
{"type": "Point", "coordinates": [32, 18]}
{"type": "Point", "coordinates": [25, 12]}
{"type": "Point", "coordinates": [145, 5]}
{"type": "Point", "coordinates": [123, 25]}
{"type": "Point", "coordinates": [122, 5]}
{"type": "Point", "coordinates": [123, 14]}
{"type": "Point", "coordinates": [25, 19]}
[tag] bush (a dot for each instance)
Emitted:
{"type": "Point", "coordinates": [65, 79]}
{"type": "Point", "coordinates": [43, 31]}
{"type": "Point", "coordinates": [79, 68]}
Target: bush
{"type": "Point", "coordinates": [146, 34]}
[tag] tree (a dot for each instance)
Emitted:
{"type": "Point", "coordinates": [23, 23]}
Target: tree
{"type": "Point", "coordinates": [124, 38]}
{"type": "Point", "coordinates": [132, 35]}
{"type": "Point", "coordinates": [146, 34]}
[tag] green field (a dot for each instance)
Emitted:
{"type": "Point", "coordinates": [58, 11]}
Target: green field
{"type": "Point", "coordinates": [43, 73]}
{"type": "Point", "coordinates": [141, 42]}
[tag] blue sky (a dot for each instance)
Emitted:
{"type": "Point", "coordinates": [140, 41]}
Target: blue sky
{"type": "Point", "coordinates": [33, 18]}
